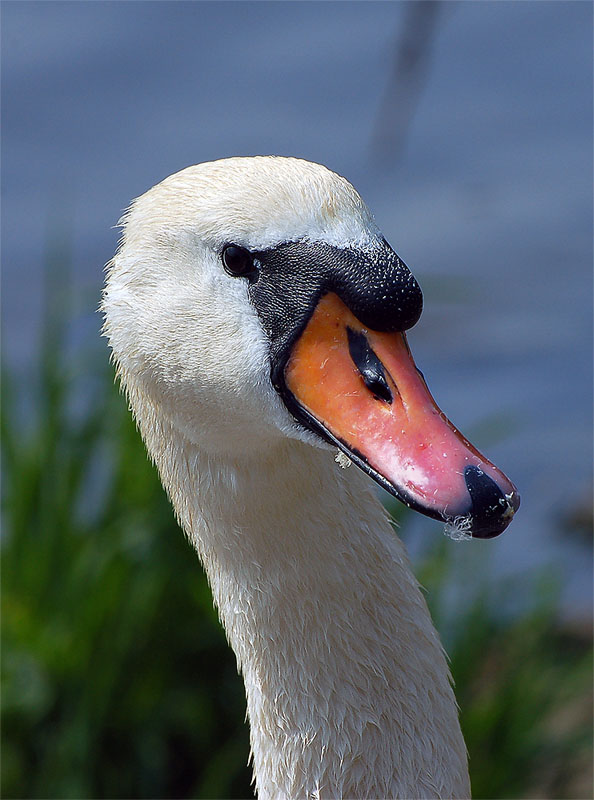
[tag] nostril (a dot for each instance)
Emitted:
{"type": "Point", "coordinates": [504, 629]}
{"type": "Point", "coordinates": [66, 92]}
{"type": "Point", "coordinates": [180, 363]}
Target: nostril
{"type": "Point", "coordinates": [369, 365]}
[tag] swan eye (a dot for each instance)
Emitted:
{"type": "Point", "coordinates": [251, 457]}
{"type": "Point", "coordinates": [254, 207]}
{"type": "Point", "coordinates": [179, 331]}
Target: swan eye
{"type": "Point", "coordinates": [237, 260]}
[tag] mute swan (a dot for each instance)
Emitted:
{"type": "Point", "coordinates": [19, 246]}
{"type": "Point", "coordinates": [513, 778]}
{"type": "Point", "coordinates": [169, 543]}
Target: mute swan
{"type": "Point", "coordinates": [255, 314]}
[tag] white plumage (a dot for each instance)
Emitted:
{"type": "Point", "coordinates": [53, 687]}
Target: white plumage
{"type": "Point", "coordinates": [347, 685]}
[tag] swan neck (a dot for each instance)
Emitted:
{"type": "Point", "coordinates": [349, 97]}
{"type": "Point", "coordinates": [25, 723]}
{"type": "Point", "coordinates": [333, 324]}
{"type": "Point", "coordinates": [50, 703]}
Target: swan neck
{"type": "Point", "coordinates": [348, 690]}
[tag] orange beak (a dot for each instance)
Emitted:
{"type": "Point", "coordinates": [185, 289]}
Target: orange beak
{"type": "Point", "coordinates": [362, 389]}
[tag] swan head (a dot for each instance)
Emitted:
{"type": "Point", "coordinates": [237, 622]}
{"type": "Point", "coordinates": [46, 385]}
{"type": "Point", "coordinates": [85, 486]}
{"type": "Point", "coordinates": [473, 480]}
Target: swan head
{"type": "Point", "coordinates": [255, 299]}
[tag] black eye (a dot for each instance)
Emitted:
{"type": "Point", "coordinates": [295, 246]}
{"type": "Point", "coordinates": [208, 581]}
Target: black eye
{"type": "Point", "coordinates": [237, 260]}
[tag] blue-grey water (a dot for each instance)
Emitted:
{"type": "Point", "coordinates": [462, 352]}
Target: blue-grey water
{"type": "Point", "coordinates": [489, 201]}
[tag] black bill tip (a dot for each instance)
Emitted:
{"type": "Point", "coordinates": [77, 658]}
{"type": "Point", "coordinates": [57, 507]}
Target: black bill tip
{"type": "Point", "coordinates": [491, 510]}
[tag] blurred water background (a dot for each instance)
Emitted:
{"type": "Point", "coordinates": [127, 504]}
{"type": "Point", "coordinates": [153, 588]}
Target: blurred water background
{"type": "Point", "coordinates": [467, 128]}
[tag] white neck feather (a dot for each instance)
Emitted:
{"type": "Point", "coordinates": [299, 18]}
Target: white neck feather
{"type": "Point", "coordinates": [348, 689]}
